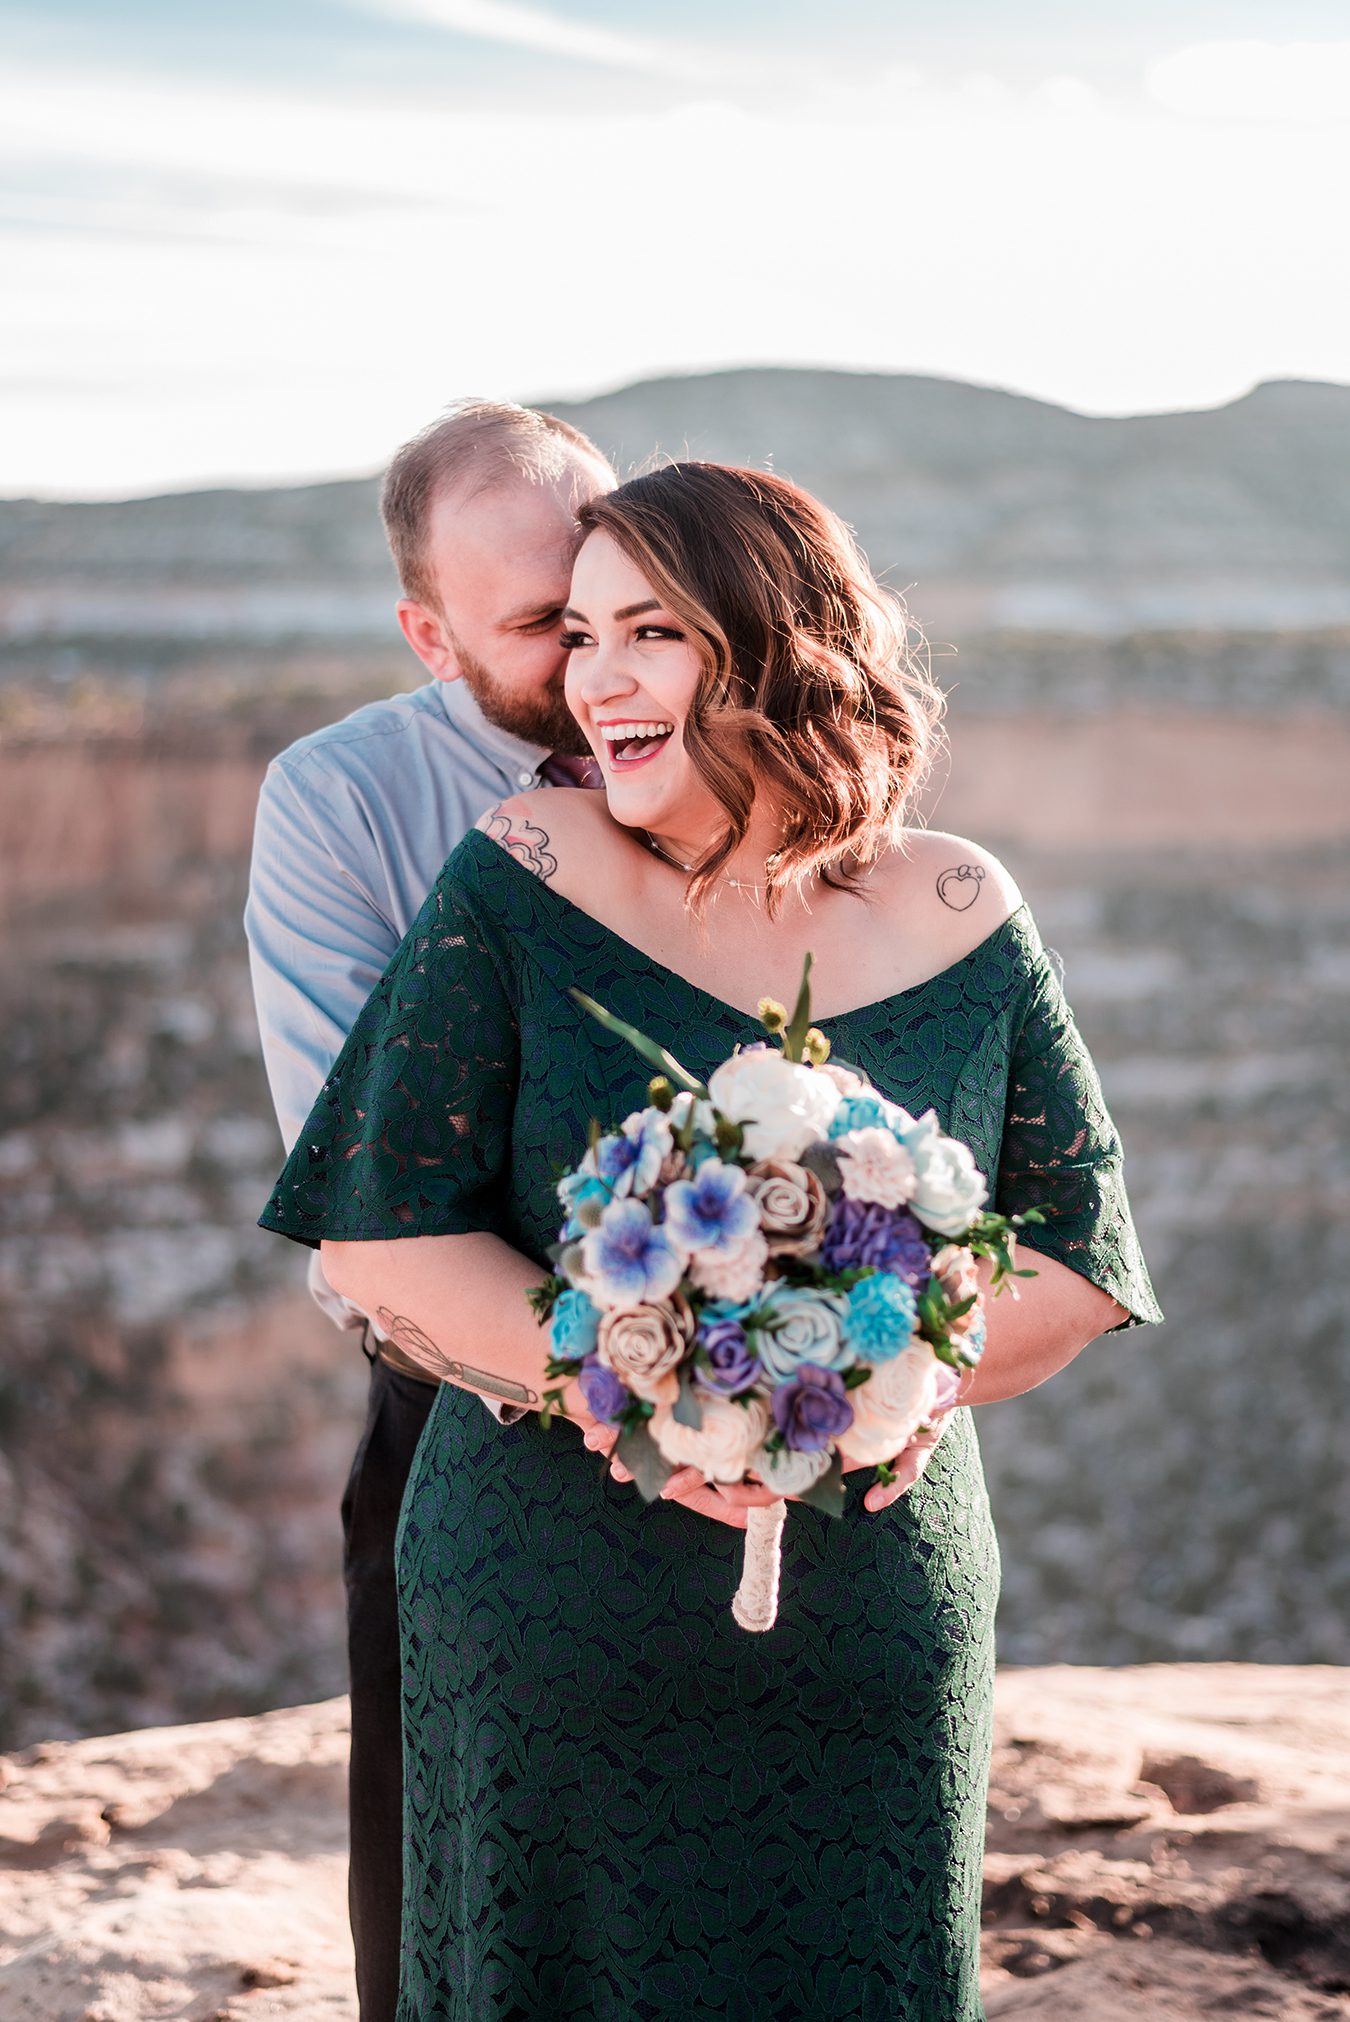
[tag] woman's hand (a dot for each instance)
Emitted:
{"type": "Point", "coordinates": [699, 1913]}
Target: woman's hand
{"type": "Point", "coordinates": [907, 1466]}
{"type": "Point", "coordinates": [726, 1504]}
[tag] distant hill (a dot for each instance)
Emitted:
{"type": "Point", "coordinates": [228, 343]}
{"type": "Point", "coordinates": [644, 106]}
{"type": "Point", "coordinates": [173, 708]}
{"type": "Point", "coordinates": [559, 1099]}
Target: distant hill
{"type": "Point", "coordinates": [995, 511]}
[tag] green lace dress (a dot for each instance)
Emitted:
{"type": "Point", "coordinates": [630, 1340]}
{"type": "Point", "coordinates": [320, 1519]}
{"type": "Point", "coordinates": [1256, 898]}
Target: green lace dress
{"type": "Point", "coordinates": [618, 1804]}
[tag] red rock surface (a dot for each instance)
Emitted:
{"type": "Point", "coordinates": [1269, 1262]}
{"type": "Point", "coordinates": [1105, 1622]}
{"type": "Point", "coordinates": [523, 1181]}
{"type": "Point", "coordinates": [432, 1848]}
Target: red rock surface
{"type": "Point", "coordinates": [1168, 1843]}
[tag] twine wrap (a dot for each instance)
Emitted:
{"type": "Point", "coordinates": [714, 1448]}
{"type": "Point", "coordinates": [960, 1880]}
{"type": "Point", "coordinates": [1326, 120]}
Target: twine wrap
{"type": "Point", "coordinates": [755, 1604]}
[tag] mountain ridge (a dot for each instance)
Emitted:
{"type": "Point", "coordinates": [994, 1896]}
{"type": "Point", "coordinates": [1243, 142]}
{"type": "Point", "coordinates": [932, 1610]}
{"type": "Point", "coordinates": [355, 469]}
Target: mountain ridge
{"type": "Point", "coordinates": [1002, 510]}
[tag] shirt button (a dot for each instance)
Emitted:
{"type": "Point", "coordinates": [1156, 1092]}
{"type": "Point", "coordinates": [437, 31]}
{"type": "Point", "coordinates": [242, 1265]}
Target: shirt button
{"type": "Point", "coordinates": [525, 778]}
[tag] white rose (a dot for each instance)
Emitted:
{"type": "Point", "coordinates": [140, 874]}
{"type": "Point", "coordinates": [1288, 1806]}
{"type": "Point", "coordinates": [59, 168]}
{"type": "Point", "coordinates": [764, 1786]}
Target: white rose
{"type": "Point", "coordinates": [889, 1408]}
{"type": "Point", "coordinates": [950, 1188]}
{"type": "Point", "coordinates": [783, 1105]}
{"type": "Point", "coordinates": [788, 1470]}
{"type": "Point", "coordinates": [721, 1447]}
{"type": "Point", "coordinates": [875, 1167]}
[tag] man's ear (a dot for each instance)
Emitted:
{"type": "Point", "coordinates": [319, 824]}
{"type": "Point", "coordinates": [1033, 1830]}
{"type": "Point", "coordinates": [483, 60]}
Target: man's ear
{"type": "Point", "coordinates": [426, 632]}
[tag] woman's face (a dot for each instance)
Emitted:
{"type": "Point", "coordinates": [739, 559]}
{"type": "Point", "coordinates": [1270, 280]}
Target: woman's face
{"type": "Point", "coordinates": [632, 674]}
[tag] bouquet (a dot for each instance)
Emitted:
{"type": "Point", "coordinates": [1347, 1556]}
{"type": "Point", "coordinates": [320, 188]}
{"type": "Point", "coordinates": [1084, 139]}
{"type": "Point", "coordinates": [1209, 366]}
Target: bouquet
{"type": "Point", "coordinates": [769, 1275]}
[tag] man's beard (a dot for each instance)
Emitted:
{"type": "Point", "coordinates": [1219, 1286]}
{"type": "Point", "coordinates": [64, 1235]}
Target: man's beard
{"type": "Point", "coordinates": [542, 718]}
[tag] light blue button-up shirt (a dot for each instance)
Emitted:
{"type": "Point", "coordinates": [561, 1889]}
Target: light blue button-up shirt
{"type": "Point", "coordinates": [354, 824]}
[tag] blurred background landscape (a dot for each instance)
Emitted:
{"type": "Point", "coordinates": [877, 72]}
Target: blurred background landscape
{"type": "Point", "coordinates": [1143, 624]}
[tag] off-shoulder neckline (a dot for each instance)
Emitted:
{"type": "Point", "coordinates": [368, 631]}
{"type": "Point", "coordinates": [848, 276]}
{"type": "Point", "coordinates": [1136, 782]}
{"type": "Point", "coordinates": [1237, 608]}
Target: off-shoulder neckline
{"type": "Point", "coordinates": [877, 1004]}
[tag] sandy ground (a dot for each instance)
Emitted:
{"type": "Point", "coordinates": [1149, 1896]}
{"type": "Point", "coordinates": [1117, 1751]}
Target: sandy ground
{"type": "Point", "coordinates": [1167, 1843]}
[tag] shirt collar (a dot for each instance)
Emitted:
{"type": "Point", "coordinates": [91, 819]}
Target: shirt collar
{"type": "Point", "coordinates": [513, 754]}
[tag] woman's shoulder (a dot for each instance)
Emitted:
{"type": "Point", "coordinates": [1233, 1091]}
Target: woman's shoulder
{"type": "Point", "coordinates": [553, 835]}
{"type": "Point", "coordinates": [951, 891]}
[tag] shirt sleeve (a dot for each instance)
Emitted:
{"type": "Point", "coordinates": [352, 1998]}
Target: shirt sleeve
{"type": "Point", "coordinates": [1061, 1152]}
{"type": "Point", "coordinates": [318, 943]}
{"type": "Point", "coordinates": [411, 1133]}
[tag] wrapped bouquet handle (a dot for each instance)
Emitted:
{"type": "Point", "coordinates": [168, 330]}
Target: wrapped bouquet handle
{"type": "Point", "coordinates": [755, 1604]}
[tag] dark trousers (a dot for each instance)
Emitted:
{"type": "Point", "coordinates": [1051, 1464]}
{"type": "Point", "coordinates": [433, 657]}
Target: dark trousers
{"type": "Point", "coordinates": [370, 1508]}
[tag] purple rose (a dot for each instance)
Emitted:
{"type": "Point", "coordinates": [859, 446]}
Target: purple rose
{"type": "Point", "coordinates": [889, 1239]}
{"type": "Point", "coordinates": [812, 1408]}
{"type": "Point", "coordinates": [732, 1364]}
{"type": "Point", "coordinates": [606, 1398]}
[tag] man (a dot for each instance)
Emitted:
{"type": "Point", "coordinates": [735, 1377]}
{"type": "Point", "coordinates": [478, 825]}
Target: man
{"type": "Point", "coordinates": [354, 824]}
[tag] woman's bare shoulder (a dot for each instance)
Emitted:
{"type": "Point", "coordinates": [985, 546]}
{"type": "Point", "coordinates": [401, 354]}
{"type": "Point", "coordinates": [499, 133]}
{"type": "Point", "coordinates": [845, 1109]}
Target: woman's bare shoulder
{"type": "Point", "coordinates": [549, 833]}
{"type": "Point", "coordinates": [954, 890]}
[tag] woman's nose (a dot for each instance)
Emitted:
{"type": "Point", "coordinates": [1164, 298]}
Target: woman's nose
{"type": "Point", "coordinates": [606, 678]}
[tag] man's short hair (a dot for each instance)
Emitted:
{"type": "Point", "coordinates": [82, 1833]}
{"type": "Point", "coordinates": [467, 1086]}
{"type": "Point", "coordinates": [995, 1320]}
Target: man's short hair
{"type": "Point", "coordinates": [479, 444]}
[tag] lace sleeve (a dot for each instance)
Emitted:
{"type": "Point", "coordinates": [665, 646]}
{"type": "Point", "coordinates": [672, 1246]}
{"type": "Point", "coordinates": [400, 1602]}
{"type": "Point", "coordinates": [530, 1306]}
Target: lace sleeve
{"type": "Point", "coordinates": [410, 1135]}
{"type": "Point", "coordinates": [1061, 1152]}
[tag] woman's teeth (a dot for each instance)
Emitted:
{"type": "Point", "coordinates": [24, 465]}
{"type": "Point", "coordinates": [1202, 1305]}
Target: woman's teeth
{"type": "Point", "coordinates": [630, 742]}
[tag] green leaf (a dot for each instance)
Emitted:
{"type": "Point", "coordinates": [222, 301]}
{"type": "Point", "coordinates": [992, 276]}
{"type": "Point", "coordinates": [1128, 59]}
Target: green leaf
{"type": "Point", "coordinates": [794, 1038]}
{"type": "Point", "coordinates": [859, 1373]}
{"type": "Point", "coordinates": [828, 1493]}
{"type": "Point", "coordinates": [647, 1049]}
{"type": "Point", "coordinates": [886, 1474]}
{"type": "Point", "coordinates": [686, 1409]}
{"type": "Point", "coordinates": [644, 1460]}
{"type": "Point", "coordinates": [552, 1403]}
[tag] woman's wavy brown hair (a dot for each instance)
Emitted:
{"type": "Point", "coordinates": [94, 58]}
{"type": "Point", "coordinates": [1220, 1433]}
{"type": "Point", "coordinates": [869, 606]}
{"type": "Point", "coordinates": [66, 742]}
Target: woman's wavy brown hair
{"type": "Point", "coordinates": [815, 686]}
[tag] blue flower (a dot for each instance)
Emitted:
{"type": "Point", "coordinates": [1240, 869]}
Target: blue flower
{"type": "Point", "coordinates": [712, 1211]}
{"type": "Point", "coordinates": [574, 1326]}
{"type": "Point", "coordinates": [628, 1260]}
{"type": "Point", "coordinates": [971, 1343]}
{"type": "Point", "coordinates": [584, 1197]}
{"type": "Point", "coordinates": [860, 1112]}
{"type": "Point", "coordinates": [606, 1398]}
{"type": "Point", "coordinates": [889, 1239]}
{"type": "Point", "coordinates": [630, 1160]}
{"type": "Point", "coordinates": [802, 1325]}
{"type": "Point", "coordinates": [880, 1317]}
{"type": "Point", "coordinates": [812, 1409]}
{"type": "Point", "coordinates": [731, 1364]}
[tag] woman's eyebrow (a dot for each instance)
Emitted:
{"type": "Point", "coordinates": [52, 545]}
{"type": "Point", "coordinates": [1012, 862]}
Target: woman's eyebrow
{"type": "Point", "coordinates": [628, 611]}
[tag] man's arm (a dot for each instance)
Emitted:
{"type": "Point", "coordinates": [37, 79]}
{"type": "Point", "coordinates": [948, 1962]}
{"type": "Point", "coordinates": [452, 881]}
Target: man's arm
{"type": "Point", "coordinates": [318, 943]}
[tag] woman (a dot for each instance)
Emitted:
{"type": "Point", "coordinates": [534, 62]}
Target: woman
{"type": "Point", "coordinates": [618, 1804]}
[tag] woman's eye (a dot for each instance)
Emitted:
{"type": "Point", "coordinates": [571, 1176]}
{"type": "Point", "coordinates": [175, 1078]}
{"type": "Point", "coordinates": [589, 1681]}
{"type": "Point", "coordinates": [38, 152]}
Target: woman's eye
{"type": "Point", "coordinates": [569, 641]}
{"type": "Point", "coordinates": [658, 632]}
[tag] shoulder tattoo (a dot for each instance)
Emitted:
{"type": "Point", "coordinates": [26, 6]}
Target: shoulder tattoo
{"type": "Point", "coordinates": [521, 838]}
{"type": "Point", "coordinates": [419, 1347]}
{"type": "Point", "coordinates": [959, 887]}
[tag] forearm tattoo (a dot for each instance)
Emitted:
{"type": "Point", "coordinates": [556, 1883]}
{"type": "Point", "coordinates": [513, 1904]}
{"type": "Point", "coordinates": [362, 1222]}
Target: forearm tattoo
{"type": "Point", "coordinates": [419, 1347]}
{"type": "Point", "coordinates": [522, 839]}
{"type": "Point", "coordinates": [959, 887]}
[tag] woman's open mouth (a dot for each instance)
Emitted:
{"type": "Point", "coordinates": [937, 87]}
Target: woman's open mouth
{"type": "Point", "coordinates": [629, 744]}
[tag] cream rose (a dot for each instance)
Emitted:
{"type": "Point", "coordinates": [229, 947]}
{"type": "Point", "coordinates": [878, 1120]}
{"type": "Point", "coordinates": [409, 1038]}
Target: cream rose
{"type": "Point", "coordinates": [950, 1189]}
{"type": "Point", "coordinates": [875, 1167]}
{"type": "Point", "coordinates": [783, 1105]}
{"type": "Point", "coordinates": [792, 1206]}
{"type": "Point", "coordinates": [721, 1447]}
{"type": "Point", "coordinates": [789, 1470]}
{"type": "Point", "coordinates": [643, 1345]}
{"type": "Point", "coordinates": [731, 1274]}
{"type": "Point", "coordinates": [955, 1270]}
{"type": "Point", "coordinates": [889, 1408]}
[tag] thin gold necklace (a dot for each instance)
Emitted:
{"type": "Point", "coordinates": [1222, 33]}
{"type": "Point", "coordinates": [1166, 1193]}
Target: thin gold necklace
{"type": "Point", "coordinates": [736, 884]}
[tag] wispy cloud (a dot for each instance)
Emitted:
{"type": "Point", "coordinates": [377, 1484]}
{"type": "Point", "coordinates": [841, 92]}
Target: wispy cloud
{"type": "Point", "coordinates": [1265, 81]}
{"type": "Point", "coordinates": [540, 29]}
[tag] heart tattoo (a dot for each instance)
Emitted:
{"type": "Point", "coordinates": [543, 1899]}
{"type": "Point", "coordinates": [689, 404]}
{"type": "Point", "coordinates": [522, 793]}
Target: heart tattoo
{"type": "Point", "coordinates": [960, 886]}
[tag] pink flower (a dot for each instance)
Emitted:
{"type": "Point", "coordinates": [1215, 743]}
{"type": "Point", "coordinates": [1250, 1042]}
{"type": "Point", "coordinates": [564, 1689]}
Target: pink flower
{"type": "Point", "coordinates": [733, 1275]}
{"type": "Point", "coordinates": [874, 1166]}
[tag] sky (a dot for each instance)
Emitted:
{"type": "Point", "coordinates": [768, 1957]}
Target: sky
{"type": "Point", "coordinates": [267, 241]}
